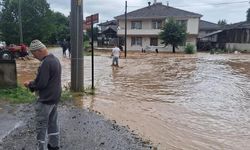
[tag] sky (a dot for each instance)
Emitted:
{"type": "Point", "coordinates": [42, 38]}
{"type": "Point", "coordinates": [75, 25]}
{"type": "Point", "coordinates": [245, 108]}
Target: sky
{"type": "Point", "coordinates": [212, 10]}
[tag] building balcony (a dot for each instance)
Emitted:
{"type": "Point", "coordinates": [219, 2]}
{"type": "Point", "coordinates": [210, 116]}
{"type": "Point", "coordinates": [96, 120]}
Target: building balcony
{"type": "Point", "coordinates": [139, 32]}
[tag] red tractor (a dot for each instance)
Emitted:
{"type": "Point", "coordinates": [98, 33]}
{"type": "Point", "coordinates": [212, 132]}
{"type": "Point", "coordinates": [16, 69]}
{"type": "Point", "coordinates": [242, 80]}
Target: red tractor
{"type": "Point", "coordinates": [18, 50]}
{"type": "Point", "coordinates": [14, 51]}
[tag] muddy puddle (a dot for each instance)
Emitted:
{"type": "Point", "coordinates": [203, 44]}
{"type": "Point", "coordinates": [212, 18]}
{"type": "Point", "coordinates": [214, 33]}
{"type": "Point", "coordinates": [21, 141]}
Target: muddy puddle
{"type": "Point", "coordinates": [177, 101]}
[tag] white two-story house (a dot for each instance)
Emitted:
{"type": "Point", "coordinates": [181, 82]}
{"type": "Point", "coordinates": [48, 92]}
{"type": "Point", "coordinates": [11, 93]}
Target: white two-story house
{"type": "Point", "coordinates": [144, 26]}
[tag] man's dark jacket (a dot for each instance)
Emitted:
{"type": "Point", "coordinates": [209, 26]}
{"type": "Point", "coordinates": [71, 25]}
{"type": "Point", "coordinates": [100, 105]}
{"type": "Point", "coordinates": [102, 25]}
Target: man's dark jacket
{"type": "Point", "coordinates": [48, 81]}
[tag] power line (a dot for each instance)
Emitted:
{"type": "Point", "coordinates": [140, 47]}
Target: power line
{"type": "Point", "coordinates": [214, 4]}
{"type": "Point", "coordinates": [227, 3]}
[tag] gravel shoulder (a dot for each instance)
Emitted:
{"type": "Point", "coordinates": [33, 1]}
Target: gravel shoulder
{"type": "Point", "coordinates": [80, 130]}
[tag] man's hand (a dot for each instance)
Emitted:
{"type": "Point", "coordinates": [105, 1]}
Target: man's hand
{"type": "Point", "coordinates": [26, 84]}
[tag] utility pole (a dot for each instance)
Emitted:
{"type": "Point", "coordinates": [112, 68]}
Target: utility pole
{"type": "Point", "coordinates": [92, 50]}
{"type": "Point", "coordinates": [20, 22]}
{"type": "Point", "coordinates": [126, 21]}
{"type": "Point", "coordinates": [76, 37]}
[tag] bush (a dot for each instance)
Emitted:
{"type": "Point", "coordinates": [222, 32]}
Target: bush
{"type": "Point", "coordinates": [189, 49]}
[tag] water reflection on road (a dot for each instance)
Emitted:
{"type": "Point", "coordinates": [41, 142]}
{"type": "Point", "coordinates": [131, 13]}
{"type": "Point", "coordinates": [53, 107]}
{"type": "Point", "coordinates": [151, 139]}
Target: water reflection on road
{"type": "Point", "coordinates": [178, 101]}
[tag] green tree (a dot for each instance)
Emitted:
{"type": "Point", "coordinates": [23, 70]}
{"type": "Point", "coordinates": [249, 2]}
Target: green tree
{"type": "Point", "coordinates": [60, 28]}
{"type": "Point", "coordinates": [39, 22]}
{"type": "Point", "coordinates": [222, 22]}
{"type": "Point", "coordinates": [248, 15]}
{"type": "Point", "coordinates": [9, 21]}
{"type": "Point", "coordinates": [173, 33]}
{"type": "Point", "coordinates": [96, 33]}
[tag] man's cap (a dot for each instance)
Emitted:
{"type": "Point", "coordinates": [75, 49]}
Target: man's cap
{"type": "Point", "coordinates": [36, 45]}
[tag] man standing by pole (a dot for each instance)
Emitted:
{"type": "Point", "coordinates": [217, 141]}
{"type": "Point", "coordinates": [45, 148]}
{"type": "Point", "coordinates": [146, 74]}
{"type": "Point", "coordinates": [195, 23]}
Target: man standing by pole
{"type": "Point", "coordinates": [48, 85]}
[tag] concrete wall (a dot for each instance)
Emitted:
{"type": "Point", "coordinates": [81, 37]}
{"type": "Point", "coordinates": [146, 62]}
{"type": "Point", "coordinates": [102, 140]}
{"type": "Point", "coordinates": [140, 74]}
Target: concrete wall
{"type": "Point", "coordinates": [8, 75]}
{"type": "Point", "coordinates": [238, 46]}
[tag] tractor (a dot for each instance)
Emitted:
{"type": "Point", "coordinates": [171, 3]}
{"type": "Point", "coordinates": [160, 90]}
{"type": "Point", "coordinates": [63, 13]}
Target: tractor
{"type": "Point", "coordinates": [13, 51]}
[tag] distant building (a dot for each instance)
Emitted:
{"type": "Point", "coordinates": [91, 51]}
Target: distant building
{"type": "Point", "coordinates": [109, 28]}
{"type": "Point", "coordinates": [232, 37]}
{"type": "Point", "coordinates": [206, 43]}
{"type": "Point", "coordinates": [145, 24]}
{"type": "Point", "coordinates": [108, 33]}
{"type": "Point", "coordinates": [206, 27]}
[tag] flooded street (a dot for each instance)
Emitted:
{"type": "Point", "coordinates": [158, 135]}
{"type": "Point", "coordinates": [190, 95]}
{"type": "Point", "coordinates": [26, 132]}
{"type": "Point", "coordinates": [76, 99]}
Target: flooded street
{"type": "Point", "coordinates": [177, 101]}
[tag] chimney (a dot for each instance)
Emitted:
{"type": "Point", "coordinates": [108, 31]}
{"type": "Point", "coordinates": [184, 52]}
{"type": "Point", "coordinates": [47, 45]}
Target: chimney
{"type": "Point", "coordinates": [167, 3]}
{"type": "Point", "coordinates": [155, 1]}
{"type": "Point", "coordinates": [149, 3]}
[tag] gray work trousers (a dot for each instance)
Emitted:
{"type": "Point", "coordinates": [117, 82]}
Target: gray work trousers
{"type": "Point", "coordinates": [46, 124]}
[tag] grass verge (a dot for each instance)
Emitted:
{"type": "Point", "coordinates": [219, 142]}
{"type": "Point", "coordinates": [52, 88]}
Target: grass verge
{"type": "Point", "coordinates": [20, 95]}
{"type": "Point", "coordinates": [17, 95]}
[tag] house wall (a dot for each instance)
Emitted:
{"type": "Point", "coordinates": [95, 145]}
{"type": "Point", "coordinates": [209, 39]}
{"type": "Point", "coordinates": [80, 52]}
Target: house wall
{"type": "Point", "coordinates": [193, 25]}
{"type": "Point", "coordinates": [192, 39]}
{"type": "Point", "coordinates": [140, 32]}
{"type": "Point", "coordinates": [160, 47]}
{"type": "Point", "coordinates": [238, 46]}
{"type": "Point", "coordinates": [146, 28]}
{"type": "Point", "coordinates": [203, 33]}
{"type": "Point", "coordinates": [147, 32]}
{"type": "Point", "coordinates": [234, 36]}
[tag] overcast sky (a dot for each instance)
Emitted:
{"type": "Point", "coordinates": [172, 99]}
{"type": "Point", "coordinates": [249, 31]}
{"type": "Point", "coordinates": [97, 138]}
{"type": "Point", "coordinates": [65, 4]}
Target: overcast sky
{"type": "Point", "coordinates": [211, 10]}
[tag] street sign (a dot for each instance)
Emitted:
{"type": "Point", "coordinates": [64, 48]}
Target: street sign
{"type": "Point", "coordinates": [86, 26]}
{"type": "Point", "coordinates": [91, 20]}
{"type": "Point", "coordinates": [95, 18]}
{"type": "Point", "coordinates": [79, 2]}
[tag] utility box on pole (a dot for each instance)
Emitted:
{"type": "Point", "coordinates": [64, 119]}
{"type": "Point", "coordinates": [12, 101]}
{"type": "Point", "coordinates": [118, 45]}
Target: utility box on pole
{"type": "Point", "coordinates": [76, 39]}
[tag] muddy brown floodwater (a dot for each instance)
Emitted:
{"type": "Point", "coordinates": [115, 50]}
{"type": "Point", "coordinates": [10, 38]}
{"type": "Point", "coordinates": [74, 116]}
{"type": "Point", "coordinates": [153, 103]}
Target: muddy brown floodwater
{"type": "Point", "coordinates": [177, 101]}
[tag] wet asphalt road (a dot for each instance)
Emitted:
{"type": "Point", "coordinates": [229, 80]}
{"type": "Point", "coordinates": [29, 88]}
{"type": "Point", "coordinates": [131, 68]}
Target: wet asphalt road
{"type": "Point", "coordinates": [80, 130]}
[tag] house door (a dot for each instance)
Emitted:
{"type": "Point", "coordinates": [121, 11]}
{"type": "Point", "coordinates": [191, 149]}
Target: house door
{"type": "Point", "coordinates": [153, 41]}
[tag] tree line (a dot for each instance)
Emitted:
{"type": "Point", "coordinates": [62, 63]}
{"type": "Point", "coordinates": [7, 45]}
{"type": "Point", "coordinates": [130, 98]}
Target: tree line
{"type": "Point", "coordinates": [38, 22]}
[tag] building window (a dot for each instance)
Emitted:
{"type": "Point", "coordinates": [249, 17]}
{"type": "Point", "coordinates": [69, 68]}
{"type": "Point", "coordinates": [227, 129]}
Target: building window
{"type": "Point", "coordinates": [183, 23]}
{"type": "Point", "coordinates": [153, 41]}
{"type": "Point", "coordinates": [157, 24]}
{"type": "Point", "coordinates": [136, 25]}
{"type": "Point", "coordinates": [136, 41]}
